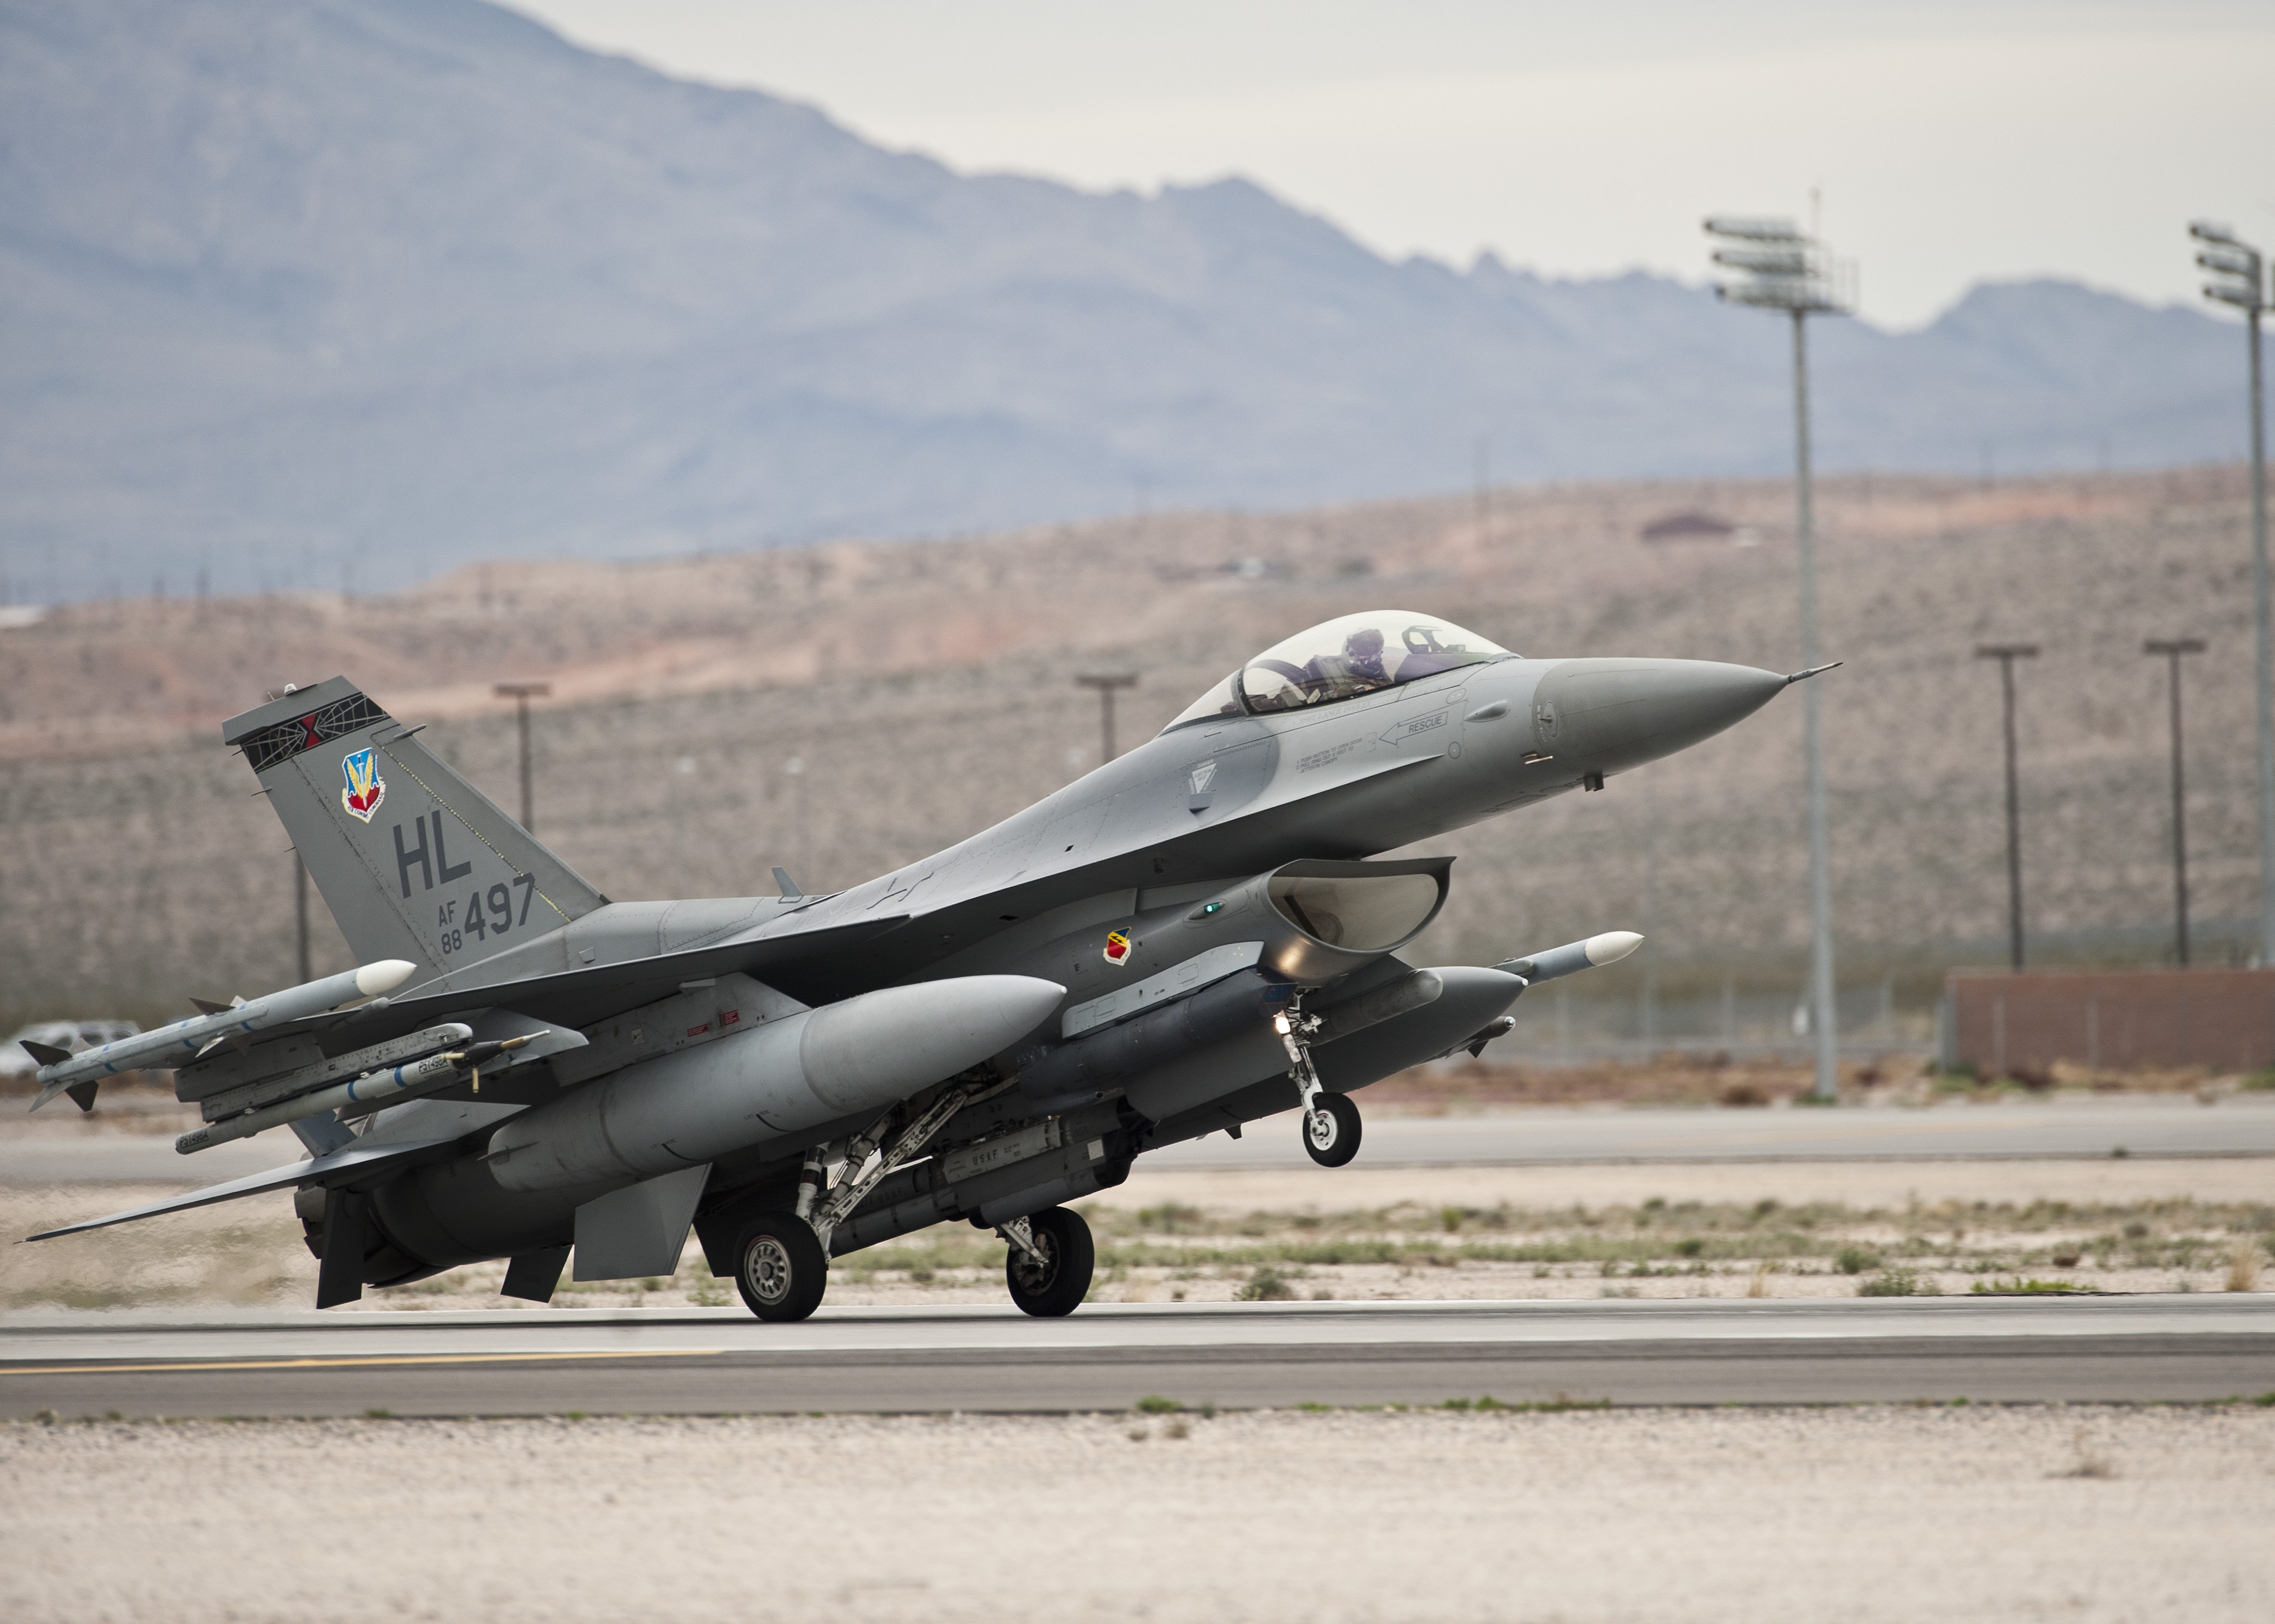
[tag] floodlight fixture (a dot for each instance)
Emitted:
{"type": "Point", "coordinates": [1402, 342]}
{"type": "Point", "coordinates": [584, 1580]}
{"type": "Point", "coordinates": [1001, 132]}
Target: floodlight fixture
{"type": "Point", "coordinates": [2238, 280]}
{"type": "Point", "coordinates": [2238, 270]}
{"type": "Point", "coordinates": [1785, 269]}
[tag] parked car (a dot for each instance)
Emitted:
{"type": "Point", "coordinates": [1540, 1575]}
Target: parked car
{"type": "Point", "coordinates": [16, 1065]}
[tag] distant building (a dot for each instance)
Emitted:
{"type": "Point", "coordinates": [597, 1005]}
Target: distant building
{"type": "Point", "coordinates": [1691, 526]}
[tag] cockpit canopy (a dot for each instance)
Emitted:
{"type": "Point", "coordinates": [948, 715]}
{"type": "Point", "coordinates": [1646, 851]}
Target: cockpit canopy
{"type": "Point", "coordinates": [1340, 660]}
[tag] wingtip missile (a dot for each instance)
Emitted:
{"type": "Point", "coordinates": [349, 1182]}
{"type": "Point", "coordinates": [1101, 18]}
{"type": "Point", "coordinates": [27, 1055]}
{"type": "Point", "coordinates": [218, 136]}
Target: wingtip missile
{"type": "Point", "coordinates": [1611, 947]}
{"type": "Point", "coordinates": [383, 976]}
{"type": "Point", "coordinates": [183, 1040]}
{"type": "Point", "coordinates": [1606, 948]}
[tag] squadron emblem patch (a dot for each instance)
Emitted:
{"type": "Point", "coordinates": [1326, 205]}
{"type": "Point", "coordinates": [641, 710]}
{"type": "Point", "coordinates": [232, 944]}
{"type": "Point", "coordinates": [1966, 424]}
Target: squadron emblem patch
{"type": "Point", "coordinates": [1117, 947]}
{"type": "Point", "coordinates": [366, 789]}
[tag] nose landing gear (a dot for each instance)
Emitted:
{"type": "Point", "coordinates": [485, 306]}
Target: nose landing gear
{"type": "Point", "coordinates": [1331, 1130]}
{"type": "Point", "coordinates": [1331, 1124]}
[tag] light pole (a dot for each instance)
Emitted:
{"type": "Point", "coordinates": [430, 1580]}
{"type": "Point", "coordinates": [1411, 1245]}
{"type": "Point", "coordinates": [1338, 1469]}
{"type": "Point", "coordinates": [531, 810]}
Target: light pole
{"type": "Point", "coordinates": [521, 694]}
{"type": "Point", "coordinates": [681, 770]}
{"type": "Point", "coordinates": [2171, 649]}
{"type": "Point", "coordinates": [796, 767]}
{"type": "Point", "coordinates": [2239, 278]}
{"type": "Point", "coordinates": [1789, 272]}
{"type": "Point", "coordinates": [1106, 682]}
{"type": "Point", "coordinates": [2005, 654]}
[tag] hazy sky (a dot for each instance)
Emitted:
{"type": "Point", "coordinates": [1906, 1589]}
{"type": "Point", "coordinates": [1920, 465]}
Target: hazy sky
{"type": "Point", "coordinates": [1951, 141]}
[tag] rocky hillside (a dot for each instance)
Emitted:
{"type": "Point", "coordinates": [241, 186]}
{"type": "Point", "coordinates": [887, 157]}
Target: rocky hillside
{"type": "Point", "coordinates": [928, 688]}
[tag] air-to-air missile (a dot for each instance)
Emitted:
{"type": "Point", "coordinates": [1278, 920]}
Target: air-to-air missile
{"type": "Point", "coordinates": [1609, 948]}
{"type": "Point", "coordinates": [79, 1074]}
{"type": "Point", "coordinates": [371, 1081]}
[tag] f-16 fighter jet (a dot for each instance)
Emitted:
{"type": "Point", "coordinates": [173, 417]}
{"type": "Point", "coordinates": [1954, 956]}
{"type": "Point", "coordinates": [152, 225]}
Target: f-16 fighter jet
{"type": "Point", "coordinates": [1194, 936]}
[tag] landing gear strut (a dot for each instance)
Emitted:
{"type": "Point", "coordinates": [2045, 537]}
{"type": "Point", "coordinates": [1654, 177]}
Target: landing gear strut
{"type": "Point", "coordinates": [1331, 1124]}
{"type": "Point", "coordinates": [1052, 1260]}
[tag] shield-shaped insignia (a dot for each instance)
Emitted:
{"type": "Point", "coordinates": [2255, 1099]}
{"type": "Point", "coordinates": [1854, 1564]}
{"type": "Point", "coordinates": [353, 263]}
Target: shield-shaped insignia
{"type": "Point", "coordinates": [1117, 947]}
{"type": "Point", "coordinates": [366, 789]}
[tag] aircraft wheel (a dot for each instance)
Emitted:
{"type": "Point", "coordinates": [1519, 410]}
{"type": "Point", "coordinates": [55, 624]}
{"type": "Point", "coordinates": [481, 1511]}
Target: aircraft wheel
{"type": "Point", "coordinates": [1057, 1285]}
{"type": "Point", "coordinates": [1331, 1132]}
{"type": "Point", "coordinates": [780, 1267]}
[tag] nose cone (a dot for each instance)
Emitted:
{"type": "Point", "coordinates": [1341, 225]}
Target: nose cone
{"type": "Point", "coordinates": [1613, 715]}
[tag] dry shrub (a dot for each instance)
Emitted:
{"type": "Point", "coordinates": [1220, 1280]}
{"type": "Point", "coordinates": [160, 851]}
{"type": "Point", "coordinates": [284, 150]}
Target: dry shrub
{"type": "Point", "coordinates": [2086, 1461]}
{"type": "Point", "coordinates": [2243, 1267]}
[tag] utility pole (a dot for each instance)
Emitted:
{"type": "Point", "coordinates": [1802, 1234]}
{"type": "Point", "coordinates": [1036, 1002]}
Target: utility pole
{"type": "Point", "coordinates": [2005, 654]}
{"type": "Point", "coordinates": [521, 694]}
{"type": "Point", "coordinates": [1484, 486]}
{"type": "Point", "coordinates": [2171, 649]}
{"type": "Point", "coordinates": [2239, 278]}
{"type": "Point", "coordinates": [681, 770]}
{"type": "Point", "coordinates": [796, 769]}
{"type": "Point", "coordinates": [1789, 272]}
{"type": "Point", "coordinates": [1106, 682]}
{"type": "Point", "coordinates": [1651, 914]}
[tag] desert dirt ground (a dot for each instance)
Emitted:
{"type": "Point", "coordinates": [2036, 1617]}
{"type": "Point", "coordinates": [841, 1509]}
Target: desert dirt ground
{"type": "Point", "coordinates": [1713, 1229]}
{"type": "Point", "coordinates": [1896, 1513]}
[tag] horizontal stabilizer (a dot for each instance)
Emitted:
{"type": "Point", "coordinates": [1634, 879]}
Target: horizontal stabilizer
{"type": "Point", "coordinates": [360, 1159]}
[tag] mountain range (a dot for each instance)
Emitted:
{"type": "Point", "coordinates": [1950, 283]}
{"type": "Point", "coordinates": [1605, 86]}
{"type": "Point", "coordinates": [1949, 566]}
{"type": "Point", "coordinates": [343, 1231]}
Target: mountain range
{"type": "Point", "coordinates": [323, 293]}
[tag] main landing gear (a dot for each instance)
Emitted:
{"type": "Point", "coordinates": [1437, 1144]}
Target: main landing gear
{"type": "Point", "coordinates": [780, 1266]}
{"type": "Point", "coordinates": [1331, 1124]}
{"type": "Point", "coordinates": [1051, 1262]}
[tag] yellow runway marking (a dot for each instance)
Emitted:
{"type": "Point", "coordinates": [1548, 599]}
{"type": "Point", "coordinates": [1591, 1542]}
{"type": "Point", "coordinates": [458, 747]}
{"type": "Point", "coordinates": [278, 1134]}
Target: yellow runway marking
{"type": "Point", "coordinates": [320, 1362]}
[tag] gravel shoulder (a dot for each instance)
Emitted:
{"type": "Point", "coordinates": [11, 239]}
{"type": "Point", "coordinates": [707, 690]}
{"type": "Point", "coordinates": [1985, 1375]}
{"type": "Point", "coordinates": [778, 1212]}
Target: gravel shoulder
{"type": "Point", "coordinates": [1877, 1514]}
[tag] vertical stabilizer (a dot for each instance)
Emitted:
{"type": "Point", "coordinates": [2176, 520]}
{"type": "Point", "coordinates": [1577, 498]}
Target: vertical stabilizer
{"type": "Point", "coordinates": [413, 861]}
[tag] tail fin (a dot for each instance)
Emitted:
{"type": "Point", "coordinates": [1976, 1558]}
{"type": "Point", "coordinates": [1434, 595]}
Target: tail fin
{"type": "Point", "coordinates": [413, 861]}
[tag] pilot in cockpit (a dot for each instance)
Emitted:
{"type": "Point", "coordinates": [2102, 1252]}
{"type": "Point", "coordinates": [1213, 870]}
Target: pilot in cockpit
{"type": "Point", "coordinates": [1361, 666]}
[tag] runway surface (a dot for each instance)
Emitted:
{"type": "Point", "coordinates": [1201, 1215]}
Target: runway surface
{"type": "Point", "coordinates": [1108, 1356]}
{"type": "Point", "coordinates": [1545, 1136]}
{"type": "Point", "coordinates": [2067, 1128]}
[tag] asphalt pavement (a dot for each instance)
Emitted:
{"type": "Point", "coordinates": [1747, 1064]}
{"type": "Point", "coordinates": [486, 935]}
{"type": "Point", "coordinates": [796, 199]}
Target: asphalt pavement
{"type": "Point", "coordinates": [1543, 1136]}
{"type": "Point", "coordinates": [2069, 1128]}
{"type": "Point", "coordinates": [1108, 1356]}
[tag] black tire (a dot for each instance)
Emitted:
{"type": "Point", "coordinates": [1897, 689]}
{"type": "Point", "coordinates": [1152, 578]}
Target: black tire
{"type": "Point", "coordinates": [780, 1267]}
{"type": "Point", "coordinates": [1056, 1286]}
{"type": "Point", "coordinates": [1331, 1132]}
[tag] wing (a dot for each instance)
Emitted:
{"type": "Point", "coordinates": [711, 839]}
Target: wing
{"type": "Point", "coordinates": [359, 1159]}
{"type": "Point", "coordinates": [579, 997]}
